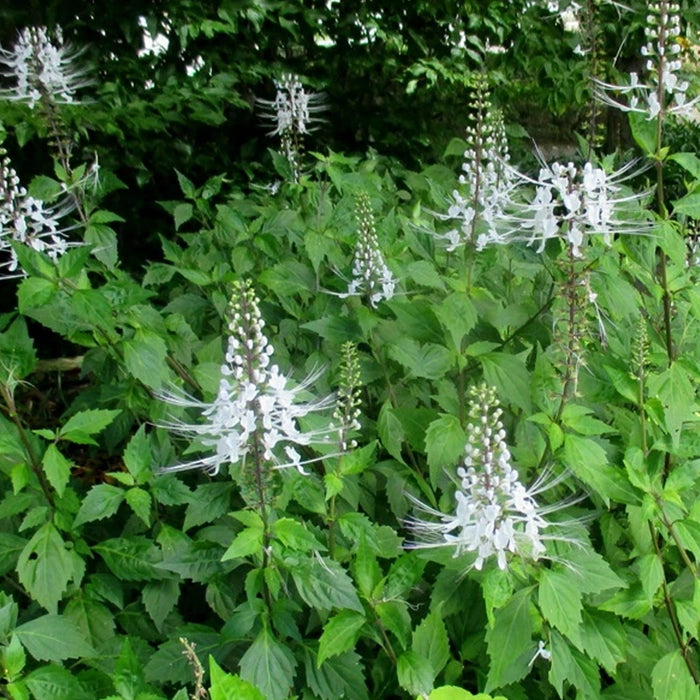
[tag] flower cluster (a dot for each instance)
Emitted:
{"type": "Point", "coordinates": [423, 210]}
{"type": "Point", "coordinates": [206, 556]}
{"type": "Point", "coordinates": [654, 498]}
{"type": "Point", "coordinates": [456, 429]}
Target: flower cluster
{"type": "Point", "coordinates": [43, 67]}
{"type": "Point", "coordinates": [370, 275]}
{"type": "Point", "coordinates": [255, 411]}
{"type": "Point", "coordinates": [486, 180]}
{"type": "Point", "coordinates": [494, 514]}
{"type": "Point", "coordinates": [572, 203]}
{"type": "Point", "coordinates": [347, 407]}
{"type": "Point", "coordinates": [666, 91]}
{"type": "Point", "coordinates": [27, 220]}
{"type": "Point", "coordinates": [292, 114]}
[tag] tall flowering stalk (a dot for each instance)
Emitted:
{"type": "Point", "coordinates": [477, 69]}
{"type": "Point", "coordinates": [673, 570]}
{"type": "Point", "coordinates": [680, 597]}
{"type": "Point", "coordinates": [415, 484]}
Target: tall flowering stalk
{"type": "Point", "coordinates": [371, 278]}
{"type": "Point", "coordinates": [494, 516]}
{"type": "Point", "coordinates": [486, 181]}
{"type": "Point", "coordinates": [28, 221]}
{"type": "Point", "coordinates": [292, 115]}
{"type": "Point", "coordinates": [254, 416]}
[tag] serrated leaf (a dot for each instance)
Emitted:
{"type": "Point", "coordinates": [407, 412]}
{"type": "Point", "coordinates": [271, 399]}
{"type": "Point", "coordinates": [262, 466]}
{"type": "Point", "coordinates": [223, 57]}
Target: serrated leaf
{"type": "Point", "coordinates": [444, 446]}
{"type": "Point", "coordinates": [45, 566]}
{"type": "Point", "coordinates": [560, 601]}
{"type": "Point", "coordinates": [365, 568]}
{"type": "Point", "coordinates": [324, 584]}
{"type": "Point", "coordinates": [82, 425]}
{"type": "Point", "coordinates": [570, 666]}
{"type": "Point", "coordinates": [101, 501]}
{"type": "Point", "coordinates": [430, 360]}
{"type": "Point", "coordinates": [92, 618]}
{"type": "Point", "coordinates": [132, 558]}
{"type": "Point", "coordinates": [508, 641]}
{"type": "Point", "coordinates": [671, 680]}
{"type": "Point", "coordinates": [269, 666]}
{"type": "Point", "coordinates": [603, 638]}
{"type": "Point", "coordinates": [13, 658]}
{"type": "Point", "coordinates": [140, 502]}
{"type": "Point", "coordinates": [53, 638]}
{"type": "Point", "coordinates": [339, 635]}
{"type": "Point", "coordinates": [145, 356]}
{"type": "Point", "coordinates": [339, 677]}
{"type": "Point", "coordinates": [226, 686]}
{"type": "Point", "coordinates": [159, 599]}
{"type": "Point", "coordinates": [246, 543]}
{"type": "Point", "coordinates": [430, 640]}
{"type": "Point", "coordinates": [390, 431]}
{"type": "Point", "coordinates": [395, 618]}
{"type": "Point", "coordinates": [17, 354]}
{"type": "Point", "coordinates": [508, 374]}
{"type": "Point", "coordinates": [458, 315]}
{"type": "Point", "coordinates": [57, 469]}
{"type": "Point", "coordinates": [128, 675]}
{"type": "Point", "coordinates": [296, 536]}
{"type": "Point", "coordinates": [415, 673]}
{"type": "Point", "coordinates": [137, 456]}
{"type": "Point", "coordinates": [55, 683]}
{"type": "Point", "coordinates": [206, 504]}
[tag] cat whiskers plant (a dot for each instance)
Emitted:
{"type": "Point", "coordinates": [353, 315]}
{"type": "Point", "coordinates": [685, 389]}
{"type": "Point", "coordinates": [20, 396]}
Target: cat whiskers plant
{"type": "Point", "coordinates": [495, 516]}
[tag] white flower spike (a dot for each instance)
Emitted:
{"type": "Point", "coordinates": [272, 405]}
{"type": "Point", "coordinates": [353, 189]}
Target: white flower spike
{"type": "Point", "coordinates": [43, 67]}
{"type": "Point", "coordinates": [494, 515]}
{"type": "Point", "coordinates": [255, 410]}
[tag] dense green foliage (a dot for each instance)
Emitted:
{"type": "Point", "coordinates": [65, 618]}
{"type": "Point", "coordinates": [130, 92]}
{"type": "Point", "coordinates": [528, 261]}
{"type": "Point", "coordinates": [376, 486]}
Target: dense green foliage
{"type": "Point", "coordinates": [124, 581]}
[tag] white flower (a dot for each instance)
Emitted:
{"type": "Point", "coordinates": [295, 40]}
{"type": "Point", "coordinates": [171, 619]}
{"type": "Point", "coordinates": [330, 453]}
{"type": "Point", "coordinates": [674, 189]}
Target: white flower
{"type": "Point", "coordinates": [43, 67]}
{"type": "Point", "coordinates": [664, 92]}
{"type": "Point", "coordinates": [573, 203]}
{"type": "Point", "coordinates": [27, 220]}
{"type": "Point", "coordinates": [255, 410]}
{"type": "Point", "coordinates": [495, 516]}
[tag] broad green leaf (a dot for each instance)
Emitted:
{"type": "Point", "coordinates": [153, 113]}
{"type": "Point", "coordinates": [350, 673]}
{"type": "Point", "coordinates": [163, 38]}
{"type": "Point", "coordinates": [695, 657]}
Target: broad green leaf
{"type": "Point", "coordinates": [643, 132]}
{"type": "Point", "coordinates": [35, 292]}
{"type": "Point", "coordinates": [508, 374]}
{"type": "Point", "coordinates": [457, 314]}
{"type": "Point", "coordinates": [269, 665]}
{"type": "Point", "coordinates": [415, 673]}
{"type": "Point", "coordinates": [13, 658]}
{"type": "Point", "coordinates": [324, 584]}
{"type": "Point", "coordinates": [296, 536]}
{"type": "Point", "coordinates": [45, 566]}
{"type": "Point", "coordinates": [57, 469]}
{"type": "Point", "coordinates": [651, 573]}
{"type": "Point", "coordinates": [688, 205]}
{"type": "Point", "coordinates": [159, 599]}
{"type": "Point", "coordinates": [671, 680]}
{"type": "Point", "coordinates": [425, 273]}
{"type": "Point", "coordinates": [206, 504]}
{"type": "Point", "coordinates": [509, 641]}
{"type": "Point", "coordinates": [592, 573]}
{"type": "Point", "coordinates": [689, 162]}
{"type": "Point", "coordinates": [56, 683]}
{"type": "Point", "coordinates": [571, 667]}
{"type": "Point", "coordinates": [246, 543]}
{"type": "Point", "coordinates": [101, 501]}
{"type": "Point", "coordinates": [128, 676]}
{"type": "Point", "coordinates": [560, 601]}
{"type": "Point", "coordinates": [226, 686]}
{"type": "Point", "coordinates": [365, 568]}
{"type": "Point", "coordinates": [390, 431]}
{"type": "Point", "coordinates": [137, 456]}
{"type": "Point", "coordinates": [430, 360]}
{"type": "Point", "coordinates": [80, 427]}
{"type": "Point", "coordinates": [92, 618]}
{"type": "Point", "coordinates": [676, 393]}
{"type": "Point", "coordinates": [140, 502]}
{"type": "Point", "coordinates": [403, 575]}
{"type": "Point", "coordinates": [603, 638]}
{"type": "Point", "coordinates": [396, 619]}
{"type": "Point", "coordinates": [588, 461]}
{"type": "Point", "coordinates": [104, 244]}
{"type": "Point", "coordinates": [339, 677]}
{"type": "Point", "coordinates": [132, 558]}
{"type": "Point", "coordinates": [340, 634]}
{"type": "Point", "coordinates": [430, 641]}
{"type": "Point", "coordinates": [53, 638]}
{"type": "Point", "coordinates": [451, 692]}
{"type": "Point", "coordinates": [17, 354]}
{"type": "Point", "coordinates": [444, 445]}
{"type": "Point", "coordinates": [145, 357]}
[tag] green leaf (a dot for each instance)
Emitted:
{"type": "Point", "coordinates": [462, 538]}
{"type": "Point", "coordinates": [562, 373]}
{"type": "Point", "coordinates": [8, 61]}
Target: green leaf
{"type": "Point", "coordinates": [324, 584]}
{"type": "Point", "coordinates": [45, 566]}
{"type": "Point", "coordinates": [588, 461]}
{"type": "Point", "coordinates": [206, 504]}
{"type": "Point", "coordinates": [226, 686]}
{"type": "Point", "coordinates": [145, 357]}
{"type": "Point", "coordinates": [509, 641]}
{"type": "Point", "coordinates": [571, 667]}
{"type": "Point", "coordinates": [390, 431]}
{"type": "Point", "coordinates": [140, 502]}
{"type": "Point", "coordinates": [339, 677]}
{"type": "Point", "coordinates": [35, 292]}
{"type": "Point", "coordinates": [93, 619]}
{"type": "Point", "coordinates": [430, 641]}
{"type": "Point", "coordinates": [688, 205]}
{"type": "Point", "coordinates": [508, 374]}
{"type": "Point", "coordinates": [689, 162]}
{"type": "Point", "coordinates": [458, 316]}
{"type": "Point", "coordinates": [245, 544]}
{"type": "Point", "coordinates": [128, 676]}
{"type": "Point", "coordinates": [13, 659]}
{"type": "Point", "coordinates": [57, 469]}
{"type": "Point", "coordinates": [444, 446]}
{"type": "Point", "coordinates": [676, 392]}
{"type": "Point", "coordinates": [137, 456]}
{"type": "Point", "coordinates": [53, 638]}
{"type": "Point", "coordinates": [395, 618]}
{"type": "Point", "coordinates": [82, 425]}
{"type": "Point", "coordinates": [269, 666]}
{"type": "Point", "coordinates": [159, 599]}
{"type": "Point", "coordinates": [131, 558]}
{"type": "Point", "coordinates": [430, 360]}
{"type": "Point", "coordinates": [604, 639]}
{"type": "Point", "coordinates": [182, 213]}
{"type": "Point", "coordinates": [365, 568]}
{"type": "Point", "coordinates": [671, 680]}
{"type": "Point", "coordinates": [560, 601]}
{"type": "Point", "coordinates": [101, 501]}
{"type": "Point", "coordinates": [103, 240]}
{"type": "Point", "coordinates": [339, 635]}
{"type": "Point", "coordinates": [415, 673]}
{"type": "Point", "coordinates": [451, 692]}
{"type": "Point", "coordinates": [55, 683]}
{"type": "Point", "coordinates": [651, 573]}
{"type": "Point", "coordinates": [296, 536]}
{"type": "Point", "coordinates": [643, 132]}
{"type": "Point", "coordinates": [17, 354]}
